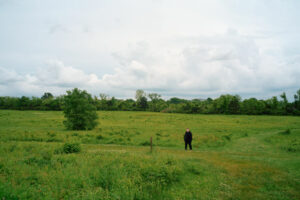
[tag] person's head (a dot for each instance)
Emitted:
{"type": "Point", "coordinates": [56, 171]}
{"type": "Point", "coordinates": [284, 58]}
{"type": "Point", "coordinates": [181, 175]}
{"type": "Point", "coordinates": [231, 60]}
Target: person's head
{"type": "Point", "coordinates": [187, 130]}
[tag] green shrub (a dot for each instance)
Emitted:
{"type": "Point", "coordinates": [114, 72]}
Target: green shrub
{"type": "Point", "coordinates": [285, 132]}
{"type": "Point", "coordinates": [74, 134]}
{"type": "Point", "coordinates": [99, 137]}
{"type": "Point", "coordinates": [146, 143]}
{"type": "Point", "coordinates": [227, 137]}
{"type": "Point", "coordinates": [71, 148]}
{"type": "Point", "coordinates": [292, 147]}
{"type": "Point", "coordinates": [79, 110]}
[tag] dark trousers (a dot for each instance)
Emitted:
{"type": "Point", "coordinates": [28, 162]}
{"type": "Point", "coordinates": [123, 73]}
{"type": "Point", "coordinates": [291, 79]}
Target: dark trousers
{"type": "Point", "coordinates": [188, 143]}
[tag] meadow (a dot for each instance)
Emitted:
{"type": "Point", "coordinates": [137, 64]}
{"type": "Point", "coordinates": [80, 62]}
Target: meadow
{"type": "Point", "coordinates": [233, 157]}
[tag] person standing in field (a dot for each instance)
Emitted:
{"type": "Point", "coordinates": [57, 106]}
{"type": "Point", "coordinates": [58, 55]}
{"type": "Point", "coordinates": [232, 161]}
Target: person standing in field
{"type": "Point", "coordinates": [188, 138]}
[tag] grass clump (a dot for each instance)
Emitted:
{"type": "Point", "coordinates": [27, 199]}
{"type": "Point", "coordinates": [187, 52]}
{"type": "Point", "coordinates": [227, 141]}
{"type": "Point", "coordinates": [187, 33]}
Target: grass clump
{"type": "Point", "coordinates": [71, 148]}
{"type": "Point", "coordinates": [40, 160]}
{"type": "Point", "coordinates": [68, 148]}
{"type": "Point", "coordinates": [99, 137]}
{"type": "Point", "coordinates": [293, 146]}
{"type": "Point", "coordinates": [161, 176]}
{"type": "Point", "coordinates": [146, 143]}
{"type": "Point", "coordinates": [285, 132]}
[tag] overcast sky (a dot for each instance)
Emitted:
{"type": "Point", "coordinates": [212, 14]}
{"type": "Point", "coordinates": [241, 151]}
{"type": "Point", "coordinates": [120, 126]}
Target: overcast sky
{"type": "Point", "coordinates": [190, 49]}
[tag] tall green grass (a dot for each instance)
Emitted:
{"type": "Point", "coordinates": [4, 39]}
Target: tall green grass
{"type": "Point", "coordinates": [234, 157]}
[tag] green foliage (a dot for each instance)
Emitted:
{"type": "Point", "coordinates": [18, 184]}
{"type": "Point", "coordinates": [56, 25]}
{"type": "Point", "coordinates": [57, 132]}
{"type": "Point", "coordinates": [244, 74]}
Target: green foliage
{"type": "Point", "coordinates": [71, 148]}
{"type": "Point", "coordinates": [79, 110]}
{"type": "Point", "coordinates": [6, 192]}
{"type": "Point", "coordinates": [161, 176]}
{"type": "Point", "coordinates": [225, 104]}
{"type": "Point", "coordinates": [145, 143]}
{"type": "Point", "coordinates": [139, 94]}
{"type": "Point", "coordinates": [142, 103]}
{"type": "Point", "coordinates": [293, 146]}
{"type": "Point", "coordinates": [99, 137]}
{"type": "Point", "coordinates": [286, 132]}
{"type": "Point", "coordinates": [47, 95]}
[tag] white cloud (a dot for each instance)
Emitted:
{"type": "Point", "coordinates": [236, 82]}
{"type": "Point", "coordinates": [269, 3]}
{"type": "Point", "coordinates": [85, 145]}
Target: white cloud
{"type": "Point", "coordinates": [176, 48]}
{"type": "Point", "coordinates": [55, 77]}
{"type": "Point", "coordinates": [195, 66]}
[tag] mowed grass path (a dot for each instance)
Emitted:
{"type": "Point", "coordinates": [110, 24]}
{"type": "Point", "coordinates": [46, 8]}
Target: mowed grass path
{"type": "Point", "coordinates": [234, 157]}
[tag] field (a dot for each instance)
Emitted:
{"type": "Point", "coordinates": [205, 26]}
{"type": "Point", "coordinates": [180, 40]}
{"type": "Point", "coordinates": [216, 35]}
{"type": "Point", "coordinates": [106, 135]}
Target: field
{"type": "Point", "coordinates": [233, 157]}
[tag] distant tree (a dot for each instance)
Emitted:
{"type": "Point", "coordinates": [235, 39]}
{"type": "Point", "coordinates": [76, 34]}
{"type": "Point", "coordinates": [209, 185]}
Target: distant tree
{"type": "Point", "coordinates": [79, 110]}
{"type": "Point", "coordinates": [154, 103]}
{"type": "Point", "coordinates": [154, 96]}
{"type": "Point", "coordinates": [103, 96]}
{"type": "Point", "coordinates": [24, 103]}
{"type": "Point", "coordinates": [112, 104]}
{"type": "Point", "coordinates": [36, 103]}
{"type": "Point", "coordinates": [275, 106]}
{"type": "Point", "coordinates": [175, 100]}
{"type": "Point", "coordinates": [225, 104]}
{"type": "Point", "coordinates": [47, 95]}
{"type": "Point", "coordinates": [102, 103]}
{"type": "Point", "coordinates": [128, 104]}
{"type": "Point", "coordinates": [142, 103]}
{"type": "Point", "coordinates": [209, 100]}
{"type": "Point", "coordinates": [139, 94]}
{"type": "Point", "coordinates": [253, 106]}
{"type": "Point", "coordinates": [284, 104]}
{"type": "Point", "coordinates": [234, 105]}
{"type": "Point", "coordinates": [297, 100]}
{"type": "Point", "coordinates": [221, 104]}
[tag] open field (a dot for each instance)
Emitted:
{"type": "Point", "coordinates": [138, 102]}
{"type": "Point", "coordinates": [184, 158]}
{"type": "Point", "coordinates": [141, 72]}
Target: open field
{"type": "Point", "coordinates": [234, 157]}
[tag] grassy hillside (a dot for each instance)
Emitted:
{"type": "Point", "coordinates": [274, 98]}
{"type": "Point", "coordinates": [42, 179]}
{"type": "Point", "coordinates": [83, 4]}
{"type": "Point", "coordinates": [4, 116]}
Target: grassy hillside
{"type": "Point", "coordinates": [234, 157]}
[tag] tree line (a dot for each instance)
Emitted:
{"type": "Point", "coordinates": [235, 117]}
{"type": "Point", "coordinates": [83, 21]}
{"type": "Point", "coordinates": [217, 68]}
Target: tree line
{"type": "Point", "coordinates": [225, 104]}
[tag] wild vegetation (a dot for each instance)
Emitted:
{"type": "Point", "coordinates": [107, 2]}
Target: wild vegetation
{"type": "Point", "coordinates": [225, 104]}
{"type": "Point", "coordinates": [79, 110]}
{"type": "Point", "coordinates": [234, 157]}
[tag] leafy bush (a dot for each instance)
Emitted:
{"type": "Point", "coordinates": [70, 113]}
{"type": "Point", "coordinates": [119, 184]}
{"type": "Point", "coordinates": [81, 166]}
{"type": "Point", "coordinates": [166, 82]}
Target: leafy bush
{"type": "Point", "coordinates": [71, 148]}
{"type": "Point", "coordinates": [227, 137]}
{"type": "Point", "coordinates": [79, 110]}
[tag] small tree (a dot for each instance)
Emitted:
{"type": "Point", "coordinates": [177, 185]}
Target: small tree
{"type": "Point", "coordinates": [79, 110]}
{"type": "Point", "coordinates": [139, 94]}
{"type": "Point", "coordinates": [142, 103]}
{"type": "Point", "coordinates": [154, 104]}
{"type": "Point", "coordinates": [47, 95]}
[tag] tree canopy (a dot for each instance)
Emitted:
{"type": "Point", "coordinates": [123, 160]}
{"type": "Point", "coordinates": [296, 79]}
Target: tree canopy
{"type": "Point", "coordinates": [79, 110]}
{"type": "Point", "coordinates": [225, 104]}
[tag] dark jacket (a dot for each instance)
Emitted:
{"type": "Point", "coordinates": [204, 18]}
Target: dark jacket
{"type": "Point", "coordinates": [188, 136]}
